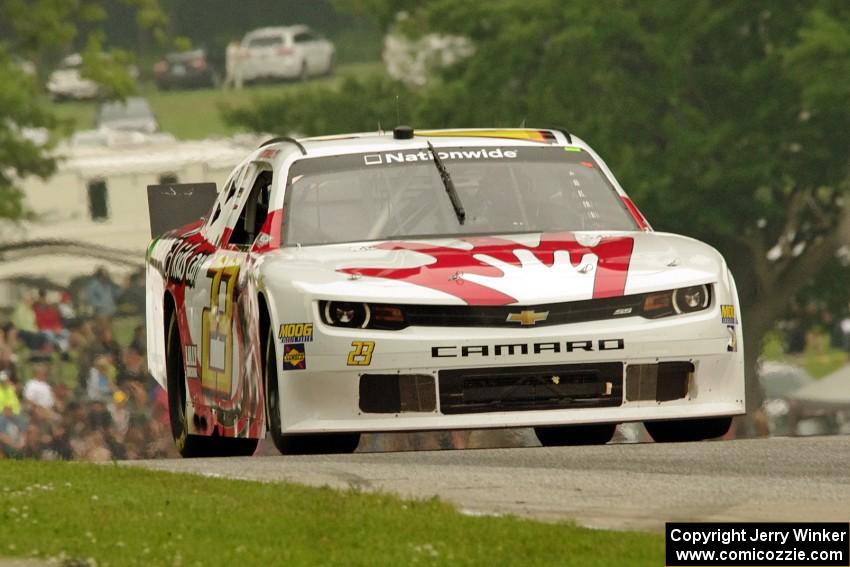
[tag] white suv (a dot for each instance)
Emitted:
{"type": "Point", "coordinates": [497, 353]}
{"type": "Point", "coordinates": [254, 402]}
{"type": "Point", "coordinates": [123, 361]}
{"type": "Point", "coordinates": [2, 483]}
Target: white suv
{"type": "Point", "coordinates": [284, 53]}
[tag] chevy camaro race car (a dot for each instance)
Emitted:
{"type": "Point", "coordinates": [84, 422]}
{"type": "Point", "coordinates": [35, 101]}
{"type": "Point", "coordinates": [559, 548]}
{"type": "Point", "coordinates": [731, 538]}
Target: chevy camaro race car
{"type": "Point", "coordinates": [447, 279]}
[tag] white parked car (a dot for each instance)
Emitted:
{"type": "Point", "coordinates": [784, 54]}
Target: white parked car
{"type": "Point", "coordinates": [67, 82]}
{"type": "Point", "coordinates": [293, 52]}
{"type": "Point", "coordinates": [445, 279]}
{"type": "Point", "coordinates": [133, 115]}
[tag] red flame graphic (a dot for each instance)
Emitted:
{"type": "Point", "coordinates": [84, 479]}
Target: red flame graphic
{"type": "Point", "coordinates": [614, 255]}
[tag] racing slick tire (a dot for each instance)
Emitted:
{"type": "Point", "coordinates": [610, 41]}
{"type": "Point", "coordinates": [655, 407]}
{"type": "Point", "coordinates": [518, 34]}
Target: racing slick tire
{"type": "Point", "coordinates": [193, 445]}
{"type": "Point", "coordinates": [688, 429]}
{"type": "Point", "coordinates": [566, 435]}
{"type": "Point", "coordinates": [297, 444]}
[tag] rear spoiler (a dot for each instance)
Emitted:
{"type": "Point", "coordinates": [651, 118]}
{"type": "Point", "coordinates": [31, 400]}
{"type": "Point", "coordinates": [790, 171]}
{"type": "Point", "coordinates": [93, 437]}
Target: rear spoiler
{"type": "Point", "coordinates": [173, 205]}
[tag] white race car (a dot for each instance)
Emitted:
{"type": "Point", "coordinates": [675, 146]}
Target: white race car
{"type": "Point", "coordinates": [447, 279]}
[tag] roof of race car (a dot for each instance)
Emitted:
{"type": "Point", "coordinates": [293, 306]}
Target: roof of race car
{"type": "Point", "coordinates": [381, 141]}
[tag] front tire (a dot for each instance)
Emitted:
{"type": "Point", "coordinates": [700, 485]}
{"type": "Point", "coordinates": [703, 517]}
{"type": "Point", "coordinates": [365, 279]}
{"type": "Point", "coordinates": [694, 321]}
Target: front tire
{"type": "Point", "coordinates": [572, 435]}
{"type": "Point", "coordinates": [297, 444]}
{"type": "Point", "coordinates": [688, 429]}
{"type": "Point", "coordinates": [190, 446]}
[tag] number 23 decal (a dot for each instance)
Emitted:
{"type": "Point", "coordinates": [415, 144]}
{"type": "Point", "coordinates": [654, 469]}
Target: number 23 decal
{"type": "Point", "coordinates": [217, 325]}
{"type": "Point", "coordinates": [361, 355]}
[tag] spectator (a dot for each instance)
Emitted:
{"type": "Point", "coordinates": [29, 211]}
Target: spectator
{"type": "Point", "coordinates": [134, 369]}
{"type": "Point", "coordinates": [99, 385]}
{"type": "Point", "coordinates": [8, 345]}
{"type": "Point", "coordinates": [132, 299]}
{"type": "Point", "coordinates": [37, 390]}
{"type": "Point", "coordinates": [232, 65]}
{"type": "Point", "coordinates": [140, 340]}
{"type": "Point", "coordinates": [66, 310]}
{"type": "Point", "coordinates": [59, 446]}
{"type": "Point", "coordinates": [51, 416]}
{"type": "Point", "coordinates": [23, 318]}
{"type": "Point", "coordinates": [11, 433]}
{"type": "Point", "coordinates": [120, 414]}
{"type": "Point", "coordinates": [34, 442]}
{"type": "Point", "coordinates": [49, 321]}
{"type": "Point", "coordinates": [100, 294]}
{"type": "Point", "coordinates": [8, 394]}
{"type": "Point", "coordinates": [105, 343]}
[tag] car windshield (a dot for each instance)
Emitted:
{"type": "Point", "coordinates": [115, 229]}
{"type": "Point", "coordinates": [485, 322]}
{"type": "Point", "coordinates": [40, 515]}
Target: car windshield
{"type": "Point", "coordinates": [399, 194]}
{"type": "Point", "coordinates": [130, 110]}
{"type": "Point", "coordinates": [185, 56]}
{"type": "Point", "coordinates": [265, 41]}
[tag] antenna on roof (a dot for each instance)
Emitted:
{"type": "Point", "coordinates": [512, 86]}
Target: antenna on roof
{"type": "Point", "coordinates": [522, 124]}
{"type": "Point", "coordinates": [380, 130]}
{"type": "Point", "coordinates": [397, 113]}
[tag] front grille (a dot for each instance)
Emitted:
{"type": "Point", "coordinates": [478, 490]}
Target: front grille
{"type": "Point", "coordinates": [660, 382]}
{"type": "Point", "coordinates": [497, 316]}
{"type": "Point", "coordinates": [475, 390]}
{"type": "Point", "coordinates": [397, 393]}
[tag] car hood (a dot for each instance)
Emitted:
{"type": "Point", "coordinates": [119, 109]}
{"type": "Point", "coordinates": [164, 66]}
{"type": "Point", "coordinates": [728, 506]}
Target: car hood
{"type": "Point", "coordinates": [523, 269]}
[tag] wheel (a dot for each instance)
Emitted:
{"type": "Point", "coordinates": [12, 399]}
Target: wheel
{"type": "Point", "coordinates": [297, 444]}
{"type": "Point", "coordinates": [564, 435]}
{"type": "Point", "coordinates": [193, 445]}
{"type": "Point", "coordinates": [688, 429]}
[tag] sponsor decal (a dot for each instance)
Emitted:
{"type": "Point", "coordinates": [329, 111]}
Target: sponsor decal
{"type": "Point", "coordinates": [727, 315]}
{"type": "Point", "coordinates": [732, 344]}
{"type": "Point", "coordinates": [514, 349]}
{"type": "Point", "coordinates": [513, 134]}
{"type": "Point", "coordinates": [622, 311]}
{"type": "Point", "coordinates": [263, 240]}
{"type": "Point", "coordinates": [556, 380]}
{"type": "Point", "coordinates": [527, 318]}
{"type": "Point", "coordinates": [489, 257]}
{"type": "Point", "coordinates": [190, 359]}
{"type": "Point", "coordinates": [361, 354]}
{"type": "Point", "coordinates": [184, 261]}
{"type": "Point", "coordinates": [389, 158]}
{"type": "Point", "coordinates": [294, 357]}
{"type": "Point", "coordinates": [296, 332]}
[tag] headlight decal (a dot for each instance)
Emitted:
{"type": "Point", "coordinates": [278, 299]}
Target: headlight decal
{"type": "Point", "coordinates": [390, 317]}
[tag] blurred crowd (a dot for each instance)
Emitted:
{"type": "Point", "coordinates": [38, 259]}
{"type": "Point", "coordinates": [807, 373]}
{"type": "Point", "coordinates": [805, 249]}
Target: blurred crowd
{"type": "Point", "coordinates": [68, 388]}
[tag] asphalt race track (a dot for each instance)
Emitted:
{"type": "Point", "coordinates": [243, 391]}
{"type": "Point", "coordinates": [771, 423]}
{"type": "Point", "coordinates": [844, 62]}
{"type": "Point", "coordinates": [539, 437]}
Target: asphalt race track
{"type": "Point", "coordinates": [627, 486]}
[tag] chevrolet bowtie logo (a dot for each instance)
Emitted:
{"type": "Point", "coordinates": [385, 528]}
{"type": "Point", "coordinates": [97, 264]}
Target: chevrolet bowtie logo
{"type": "Point", "coordinates": [526, 318]}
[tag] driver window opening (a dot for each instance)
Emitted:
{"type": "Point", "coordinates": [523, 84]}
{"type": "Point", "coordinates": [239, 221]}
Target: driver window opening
{"type": "Point", "coordinates": [254, 212]}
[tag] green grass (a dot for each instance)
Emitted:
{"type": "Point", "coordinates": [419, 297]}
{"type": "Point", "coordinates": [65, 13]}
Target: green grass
{"type": "Point", "coordinates": [819, 359]}
{"type": "Point", "coordinates": [126, 516]}
{"type": "Point", "coordinates": [195, 114]}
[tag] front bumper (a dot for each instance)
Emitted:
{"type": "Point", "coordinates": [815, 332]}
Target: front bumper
{"type": "Point", "coordinates": [325, 395]}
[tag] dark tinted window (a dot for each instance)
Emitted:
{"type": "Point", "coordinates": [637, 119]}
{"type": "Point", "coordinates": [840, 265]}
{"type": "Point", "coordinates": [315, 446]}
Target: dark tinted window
{"type": "Point", "coordinates": [98, 200]}
{"type": "Point", "coordinates": [265, 41]}
{"type": "Point", "coordinates": [254, 212]}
